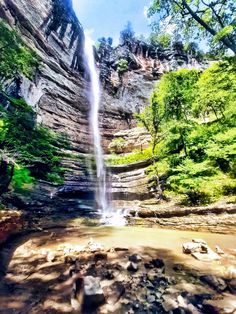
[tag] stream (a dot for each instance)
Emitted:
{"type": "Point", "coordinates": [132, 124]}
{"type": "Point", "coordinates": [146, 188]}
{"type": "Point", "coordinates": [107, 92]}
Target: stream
{"type": "Point", "coordinates": [37, 278]}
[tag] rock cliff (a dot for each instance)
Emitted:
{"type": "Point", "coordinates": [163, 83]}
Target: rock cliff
{"type": "Point", "coordinates": [58, 91]}
{"type": "Point", "coordinates": [58, 94]}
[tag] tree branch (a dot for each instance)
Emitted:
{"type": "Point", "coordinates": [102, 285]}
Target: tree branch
{"type": "Point", "coordinates": [213, 32]}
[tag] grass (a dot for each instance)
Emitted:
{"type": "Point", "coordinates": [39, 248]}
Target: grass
{"type": "Point", "coordinates": [126, 159]}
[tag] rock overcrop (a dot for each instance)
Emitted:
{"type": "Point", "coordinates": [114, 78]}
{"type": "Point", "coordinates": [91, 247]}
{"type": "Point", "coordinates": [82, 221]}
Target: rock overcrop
{"type": "Point", "coordinates": [199, 249]}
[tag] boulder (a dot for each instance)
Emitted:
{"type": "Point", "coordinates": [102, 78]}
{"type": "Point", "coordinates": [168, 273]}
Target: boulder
{"type": "Point", "coordinates": [151, 298]}
{"type": "Point", "coordinates": [50, 256]}
{"type": "Point", "coordinates": [201, 241]}
{"type": "Point", "coordinates": [191, 247]}
{"type": "Point", "coordinates": [117, 289]}
{"type": "Point", "coordinates": [159, 264]}
{"type": "Point", "coordinates": [216, 283]}
{"type": "Point", "coordinates": [148, 265]}
{"type": "Point", "coordinates": [226, 305]}
{"type": "Point", "coordinates": [135, 258]}
{"type": "Point", "coordinates": [178, 267]}
{"type": "Point", "coordinates": [170, 303]}
{"type": "Point", "coordinates": [108, 274]}
{"type": "Point", "coordinates": [219, 250]}
{"type": "Point", "coordinates": [232, 286]}
{"type": "Point", "coordinates": [93, 293]}
{"type": "Point", "coordinates": [120, 249]}
{"type": "Point", "coordinates": [131, 266]}
{"type": "Point", "coordinates": [206, 257]}
{"type": "Point", "coordinates": [100, 257]}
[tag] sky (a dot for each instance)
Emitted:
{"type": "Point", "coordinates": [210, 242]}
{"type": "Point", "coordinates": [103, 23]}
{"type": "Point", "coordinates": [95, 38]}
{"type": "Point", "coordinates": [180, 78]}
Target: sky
{"type": "Point", "coordinates": [106, 18]}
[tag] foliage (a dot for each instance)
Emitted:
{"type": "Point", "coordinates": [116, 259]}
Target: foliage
{"type": "Point", "coordinates": [130, 158]}
{"type": "Point", "coordinates": [151, 118]}
{"type": "Point", "coordinates": [193, 50]}
{"type": "Point", "coordinates": [15, 57]}
{"type": "Point", "coordinates": [104, 41]}
{"type": "Point", "coordinates": [31, 150]}
{"type": "Point", "coordinates": [176, 92]}
{"type": "Point", "coordinates": [213, 86]}
{"type": "Point", "coordinates": [21, 178]}
{"type": "Point", "coordinates": [196, 150]}
{"type": "Point", "coordinates": [213, 20]}
{"type": "Point", "coordinates": [163, 39]}
{"type": "Point", "coordinates": [122, 66]}
{"type": "Point", "coordinates": [117, 145]}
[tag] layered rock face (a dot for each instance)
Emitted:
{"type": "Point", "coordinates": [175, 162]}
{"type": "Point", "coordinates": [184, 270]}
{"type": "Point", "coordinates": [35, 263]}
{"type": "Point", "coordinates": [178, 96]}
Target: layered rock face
{"type": "Point", "coordinates": [59, 92]}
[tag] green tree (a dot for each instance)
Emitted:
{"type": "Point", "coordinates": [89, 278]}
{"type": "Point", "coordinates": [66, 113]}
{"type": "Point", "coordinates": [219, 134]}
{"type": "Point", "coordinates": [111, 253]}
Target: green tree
{"type": "Point", "coordinates": [176, 93]}
{"type": "Point", "coordinates": [213, 89]}
{"type": "Point", "coordinates": [164, 40]}
{"type": "Point", "coordinates": [195, 157]}
{"type": "Point", "coordinates": [122, 66]}
{"type": "Point", "coordinates": [213, 19]}
{"type": "Point", "coordinates": [151, 118]}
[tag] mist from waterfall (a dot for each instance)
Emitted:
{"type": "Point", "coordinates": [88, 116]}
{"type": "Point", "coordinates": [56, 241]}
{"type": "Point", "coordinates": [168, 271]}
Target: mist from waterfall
{"type": "Point", "coordinates": [108, 216]}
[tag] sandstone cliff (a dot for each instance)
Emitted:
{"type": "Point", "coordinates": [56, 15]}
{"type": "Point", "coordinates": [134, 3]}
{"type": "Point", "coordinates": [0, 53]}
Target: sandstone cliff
{"type": "Point", "coordinates": [58, 94]}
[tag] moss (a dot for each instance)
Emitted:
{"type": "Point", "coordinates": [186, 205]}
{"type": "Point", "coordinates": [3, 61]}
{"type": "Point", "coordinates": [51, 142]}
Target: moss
{"type": "Point", "coordinates": [15, 57]}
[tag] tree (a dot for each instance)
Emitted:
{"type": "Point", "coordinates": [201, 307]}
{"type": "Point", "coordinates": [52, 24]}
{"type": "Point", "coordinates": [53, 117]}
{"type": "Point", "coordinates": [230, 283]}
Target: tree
{"type": "Point", "coordinates": [213, 89]}
{"type": "Point", "coordinates": [122, 67]}
{"type": "Point", "coordinates": [151, 118]}
{"type": "Point", "coordinates": [110, 41]}
{"type": "Point", "coordinates": [176, 93]}
{"type": "Point", "coordinates": [164, 40]}
{"type": "Point", "coordinates": [213, 19]}
{"type": "Point", "coordinates": [195, 159]}
{"type": "Point", "coordinates": [127, 34]}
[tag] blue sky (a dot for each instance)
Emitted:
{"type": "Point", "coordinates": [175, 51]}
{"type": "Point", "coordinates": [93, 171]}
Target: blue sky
{"type": "Point", "coordinates": [106, 18]}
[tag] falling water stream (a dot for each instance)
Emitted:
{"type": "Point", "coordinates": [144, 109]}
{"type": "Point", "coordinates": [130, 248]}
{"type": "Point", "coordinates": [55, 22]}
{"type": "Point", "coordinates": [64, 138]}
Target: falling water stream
{"type": "Point", "coordinates": [108, 216]}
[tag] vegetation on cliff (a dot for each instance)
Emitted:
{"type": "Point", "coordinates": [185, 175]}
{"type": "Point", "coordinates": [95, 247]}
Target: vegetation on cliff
{"type": "Point", "coordinates": [27, 151]}
{"type": "Point", "coordinates": [15, 57]}
{"type": "Point", "coordinates": [192, 122]}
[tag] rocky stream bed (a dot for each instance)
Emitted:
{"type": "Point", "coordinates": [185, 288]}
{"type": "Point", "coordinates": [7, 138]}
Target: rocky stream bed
{"type": "Point", "coordinates": [117, 270]}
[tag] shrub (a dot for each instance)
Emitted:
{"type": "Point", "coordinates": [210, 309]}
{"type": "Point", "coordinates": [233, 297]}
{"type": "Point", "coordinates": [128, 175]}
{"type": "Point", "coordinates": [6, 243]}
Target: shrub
{"type": "Point", "coordinates": [122, 66]}
{"type": "Point", "coordinates": [117, 145]}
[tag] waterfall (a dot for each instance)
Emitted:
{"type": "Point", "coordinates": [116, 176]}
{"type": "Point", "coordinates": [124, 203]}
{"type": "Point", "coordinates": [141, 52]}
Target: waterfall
{"type": "Point", "coordinates": [94, 99]}
{"type": "Point", "coordinates": [108, 216]}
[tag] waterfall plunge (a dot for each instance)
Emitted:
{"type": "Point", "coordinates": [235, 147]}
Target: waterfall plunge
{"type": "Point", "coordinates": [107, 215]}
